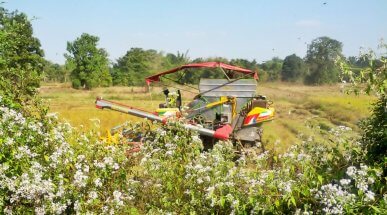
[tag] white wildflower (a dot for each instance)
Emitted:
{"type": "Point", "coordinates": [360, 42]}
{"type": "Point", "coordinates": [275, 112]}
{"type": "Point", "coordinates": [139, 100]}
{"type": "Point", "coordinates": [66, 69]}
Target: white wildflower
{"type": "Point", "coordinates": [369, 196]}
{"type": "Point", "coordinates": [351, 171]}
{"type": "Point", "coordinates": [8, 141]}
{"type": "Point", "coordinates": [118, 198]}
{"type": "Point", "coordinates": [333, 197]}
{"type": "Point", "coordinates": [196, 138]}
{"type": "Point", "coordinates": [81, 158]}
{"type": "Point", "coordinates": [100, 165]}
{"type": "Point", "coordinates": [86, 168]}
{"type": "Point", "coordinates": [8, 210]}
{"type": "Point", "coordinates": [116, 166]}
{"type": "Point", "coordinates": [370, 180]}
{"type": "Point", "coordinates": [362, 185]}
{"type": "Point", "coordinates": [92, 195]}
{"type": "Point", "coordinates": [58, 207]}
{"type": "Point", "coordinates": [108, 161]}
{"type": "Point", "coordinates": [98, 182]}
{"type": "Point", "coordinates": [210, 191]}
{"type": "Point", "coordinates": [80, 178]}
{"type": "Point", "coordinates": [345, 182]}
{"type": "Point", "coordinates": [199, 180]}
{"type": "Point", "coordinates": [24, 151]}
{"type": "Point", "coordinates": [235, 203]}
{"type": "Point", "coordinates": [40, 211]}
{"type": "Point", "coordinates": [77, 206]}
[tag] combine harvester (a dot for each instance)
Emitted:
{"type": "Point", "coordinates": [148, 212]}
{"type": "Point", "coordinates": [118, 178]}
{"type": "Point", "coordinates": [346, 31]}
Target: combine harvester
{"type": "Point", "coordinates": [223, 109]}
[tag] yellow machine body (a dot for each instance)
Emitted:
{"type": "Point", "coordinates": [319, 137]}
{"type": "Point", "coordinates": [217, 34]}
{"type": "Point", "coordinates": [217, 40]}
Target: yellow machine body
{"type": "Point", "coordinates": [258, 115]}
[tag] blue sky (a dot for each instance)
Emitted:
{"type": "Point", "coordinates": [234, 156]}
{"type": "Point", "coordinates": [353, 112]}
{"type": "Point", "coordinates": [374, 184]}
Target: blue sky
{"type": "Point", "coordinates": [251, 29]}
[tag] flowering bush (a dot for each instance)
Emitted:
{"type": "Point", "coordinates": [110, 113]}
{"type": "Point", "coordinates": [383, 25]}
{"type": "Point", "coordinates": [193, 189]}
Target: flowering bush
{"type": "Point", "coordinates": [48, 167]}
{"type": "Point", "coordinates": [353, 194]}
{"type": "Point", "coordinates": [309, 178]}
{"type": "Point", "coordinates": [51, 168]}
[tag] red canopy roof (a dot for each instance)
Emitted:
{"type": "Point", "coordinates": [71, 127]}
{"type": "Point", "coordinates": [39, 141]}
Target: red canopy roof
{"type": "Point", "coordinates": [155, 78]}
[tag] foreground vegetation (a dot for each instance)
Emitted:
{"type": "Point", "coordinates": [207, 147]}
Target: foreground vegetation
{"type": "Point", "coordinates": [48, 166]}
{"type": "Point", "coordinates": [53, 168]}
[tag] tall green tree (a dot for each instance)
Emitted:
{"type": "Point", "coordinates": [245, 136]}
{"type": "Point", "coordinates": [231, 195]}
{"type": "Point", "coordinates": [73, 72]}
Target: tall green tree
{"type": "Point", "coordinates": [293, 68]}
{"type": "Point", "coordinates": [321, 58]}
{"type": "Point", "coordinates": [91, 65]}
{"type": "Point", "coordinates": [21, 58]}
{"type": "Point", "coordinates": [172, 60]}
{"type": "Point", "coordinates": [273, 68]}
{"type": "Point", "coordinates": [132, 68]}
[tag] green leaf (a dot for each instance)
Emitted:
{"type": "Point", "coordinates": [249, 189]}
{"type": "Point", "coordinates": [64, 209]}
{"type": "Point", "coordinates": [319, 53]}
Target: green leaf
{"type": "Point", "coordinates": [377, 210]}
{"type": "Point", "coordinates": [251, 200]}
{"type": "Point", "coordinates": [277, 203]}
{"type": "Point", "coordinates": [305, 192]}
{"type": "Point", "coordinates": [169, 186]}
{"type": "Point", "coordinates": [320, 179]}
{"type": "Point", "coordinates": [293, 201]}
{"type": "Point", "coordinates": [222, 201]}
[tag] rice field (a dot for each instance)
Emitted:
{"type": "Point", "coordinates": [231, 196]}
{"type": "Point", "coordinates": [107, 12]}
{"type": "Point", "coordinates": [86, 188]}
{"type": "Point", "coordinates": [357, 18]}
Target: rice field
{"type": "Point", "coordinates": [301, 111]}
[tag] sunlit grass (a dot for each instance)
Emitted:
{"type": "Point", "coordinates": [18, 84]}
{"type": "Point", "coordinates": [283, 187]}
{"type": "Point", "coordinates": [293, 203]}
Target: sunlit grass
{"type": "Point", "coordinates": [348, 108]}
{"type": "Point", "coordinates": [297, 107]}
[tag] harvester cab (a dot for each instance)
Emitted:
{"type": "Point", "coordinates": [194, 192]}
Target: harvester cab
{"type": "Point", "coordinates": [222, 109]}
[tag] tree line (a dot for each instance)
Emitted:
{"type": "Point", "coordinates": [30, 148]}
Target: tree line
{"type": "Point", "coordinates": [87, 65]}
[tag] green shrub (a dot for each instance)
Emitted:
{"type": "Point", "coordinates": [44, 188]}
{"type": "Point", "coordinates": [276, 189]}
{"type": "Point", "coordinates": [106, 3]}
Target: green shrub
{"type": "Point", "coordinates": [372, 80]}
{"type": "Point", "coordinates": [21, 63]}
{"type": "Point", "coordinates": [375, 134]}
{"type": "Point", "coordinates": [76, 83]}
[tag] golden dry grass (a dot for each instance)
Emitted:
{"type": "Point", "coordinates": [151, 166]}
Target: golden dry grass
{"type": "Point", "coordinates": [297, 107]}
{"type": "Point", "coordinates": [309, 111]}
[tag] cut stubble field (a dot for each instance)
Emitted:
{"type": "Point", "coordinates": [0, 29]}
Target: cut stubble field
{"type": "Point", "coordinates": [302, 112]}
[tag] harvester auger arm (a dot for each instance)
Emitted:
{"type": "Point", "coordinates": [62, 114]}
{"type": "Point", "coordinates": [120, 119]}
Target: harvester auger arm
{"type": "Point", "coordinates": [222, 133]}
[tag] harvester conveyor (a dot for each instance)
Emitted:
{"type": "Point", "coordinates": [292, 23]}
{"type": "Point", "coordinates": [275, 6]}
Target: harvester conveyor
{"type": "Point", "coordinates": [221, 133]}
